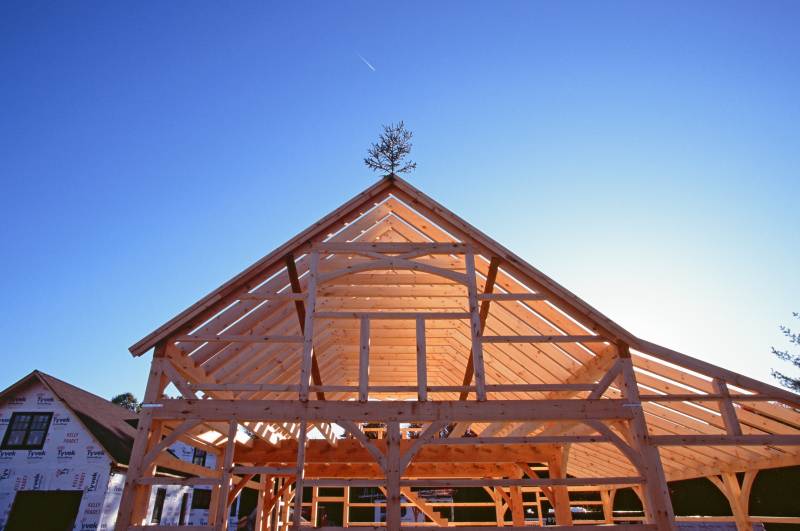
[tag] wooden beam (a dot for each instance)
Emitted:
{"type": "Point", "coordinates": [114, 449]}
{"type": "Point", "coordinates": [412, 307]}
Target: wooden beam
{"type": "Point", "coordinates": [297, 513]}
{"type": "Point", "coordinates": [725, 440]}
{"type": "Point", "coordinates": [225, 485]}
{"type": "Point", "coordinates": [560, 500]}
{"type": "Point", "coordinates": [656, 492]}
{"type": "Point", "coordinates": [510, 296]}
{"type": "Point", "coordinates": [726, 408]}
{"type": "Point", "coordinates": [393, 472]}
{"type": "Point", "coordinates": [369, 451]}
{"type": "Point", "coordinates": [422, 367]}
{"type": "Point", "coordinates": [391, 247]}
{"type": "Point", "coordinates": [708, 369]}
{"type": "Point", "coordinates": [423, 506]}
{"type": "Point", "coordinates": [544, 339]}
{"type": "Point", "coordinates": [363, 361]}
{"type": "Point", "coordinates": [208, 303]}
{"type": "Point", "coordinates": [491, 278]}
{"type": "Point", "coordinates": [167, 441]}
{"type": "Point", "coordinates": [476, 328]}
{"type": "Point", "coordinates": [308, 328]}
{"type": "Point", "coordinates": [411, 316]}
{"type": "Point", "coordinates": [134, 496]}
{"type": "Point", "coordinates": [210, 338]}
{"type": "Point", "coordinates": [300, 308]}
{"type": "Point", "coordinates": [387, 411]}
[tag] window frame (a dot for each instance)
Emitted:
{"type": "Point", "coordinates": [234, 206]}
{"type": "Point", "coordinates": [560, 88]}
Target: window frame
{"type": "Point", "coordinates": [158, 505]}
{"type": "Point", "coordinates": [25, 445]}
{"type": "Point", "coordinates": [205, 497]}
{"type": "Point", "coordinates": [197, 452]}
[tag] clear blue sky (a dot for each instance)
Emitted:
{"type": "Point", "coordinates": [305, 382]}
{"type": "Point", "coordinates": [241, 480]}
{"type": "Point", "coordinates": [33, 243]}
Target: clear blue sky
{"type": "Point", "coordinates": [645, 156]}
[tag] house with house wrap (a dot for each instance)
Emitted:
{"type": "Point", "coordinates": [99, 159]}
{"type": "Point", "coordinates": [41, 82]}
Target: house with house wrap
{"type": "Point", "coordinates": [63, 457]}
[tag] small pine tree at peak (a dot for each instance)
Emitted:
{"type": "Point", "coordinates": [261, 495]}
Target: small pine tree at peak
{"type": "Point", "coordinates": [388, 153]}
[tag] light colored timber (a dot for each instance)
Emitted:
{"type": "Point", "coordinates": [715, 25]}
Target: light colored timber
{"type": "Point", "coordinates": [239, 339]}
{"type": "Point", "coordinates": [543, 339]}
{"type": "Point", "coordinates": [420, 276]}
{"type": "Point", "coordinates": [412, 316]}
{"type": "Point", "coordinates": [422, 362]}
{"type": "Point", "coordinates": [268, 470]}
{"type": "Point", "coordinates": [308, 329]}
{"type": "Point", "coordinates": [363, 361]}
{"type": "Point", "coordinates": [511, 297]}
{"type": "Point", "coordinates": [281, 410]}
{"type": "Point", "coordinates": [300, 308]}
{"type": "Point", "coordinates": [584, 527]}
{"type": "Point", "coordinates": [488, 286]}
{"type": "Point", "coordinates": [271, 296]}
{"type": "Point", "coordinates": [476, 329]}
{"type": "Point", "coordinates": [393, 247]}
{"type": "Point", "coordinates": [725, 440]}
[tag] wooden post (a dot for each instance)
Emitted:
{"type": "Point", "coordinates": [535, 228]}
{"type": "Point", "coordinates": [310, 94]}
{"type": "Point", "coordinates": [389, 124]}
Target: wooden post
{"type": "Point", "coordinates": [475, 328]}
{"type": "Point", "coordinates": [134, 500]}
{"type": "Point", "coordinates": [276, 509]}
{"type": "Point", "coordinates": [393, 509]}
{"type": "Point", "coordinates": [422, 368]}
{"type": "Point", "coordinates": [264, 499]}
{"type": "Point", "coordinates": [363, 361]}
{"type": "Point", "coordinates": [726, 408]}
{"type": "Point", "coordinates": [142, 500]}
{"type": "Point", "coordinates": [314, 505]}
{"type": "Point", "coordinates": [346, 507]}
{"type": "Point", "coordinates": [560, 499]}
{"type": "Point", "coordinates": [607, 497]}
{"type": "Point", "coordinates": [308, 328]}
{"type": "Point", "coordinates": [297, 515]}
{"type": "Point", "coordinates": [213, 504]}
{"type": "Point", "coordinates": [539, 508]}
{"type": "Point", "coordinates": [491, 278]}
{"type": "Point", "coordinates": [517, 508]}
{"type": "Point", "coordinates": [738, 496]}
{"type": "Point", "coordinates": [221, 523]}
{"type": "Point", "coordinates": [284, 513]}
{"type": "Point", "coordinates": [658, 506]}
{"type": "Point", "coordinates": [294, 281]}
{"type": "Point", "coordinates": [499, 511]}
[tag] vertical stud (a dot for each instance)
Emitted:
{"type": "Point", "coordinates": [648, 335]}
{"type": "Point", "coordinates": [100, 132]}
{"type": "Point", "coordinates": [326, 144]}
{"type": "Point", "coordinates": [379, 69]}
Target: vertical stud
{"type": "Point", "coordinates": [475, 327]}
{"type": "Point", "coordinates": [363, 361]}
{"type": "Point", "coordinates": [393, 514]}
{"type": "Point", "coordinates": [658, 506]}
{"type": "Point", "coordinates": [297, 514]}
{"type": "Point", "coordinates": [308, 328]}
{"type": "Point", "coordinates": [225, 485]}
{"type": "Point", "coordinates": [422, 364]}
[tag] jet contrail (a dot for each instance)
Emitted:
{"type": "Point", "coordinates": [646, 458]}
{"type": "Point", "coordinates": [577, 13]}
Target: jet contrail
{"type": "Point", "coordinates": [366, 62]}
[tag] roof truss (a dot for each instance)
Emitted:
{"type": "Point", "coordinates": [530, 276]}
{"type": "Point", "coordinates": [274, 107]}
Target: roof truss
{"type": "Point", "coordinates": [393, 303]}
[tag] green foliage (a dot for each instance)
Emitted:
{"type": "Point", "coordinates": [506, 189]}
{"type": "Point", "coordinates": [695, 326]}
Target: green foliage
{"type": "Point", "coordinates": [794, 338]}
{"type": "Point", "coordinates": [128, 401]}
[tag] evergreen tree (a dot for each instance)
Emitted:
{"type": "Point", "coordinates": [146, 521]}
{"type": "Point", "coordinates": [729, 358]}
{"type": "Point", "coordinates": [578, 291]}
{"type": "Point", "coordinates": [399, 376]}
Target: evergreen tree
{"type": "Point", "coordinates": [794, 338]}
{"type": "Point", "coordinates": [393, 145]}
{"type": "Point", "coordinates": [128, 401]}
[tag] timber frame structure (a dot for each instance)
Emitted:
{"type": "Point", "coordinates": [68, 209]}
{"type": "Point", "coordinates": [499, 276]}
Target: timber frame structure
{"type": "Point", "coordinates": [393, 311]}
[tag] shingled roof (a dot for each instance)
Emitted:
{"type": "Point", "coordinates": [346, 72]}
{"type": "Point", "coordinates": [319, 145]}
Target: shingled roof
{"type": "Point", "coordinates": [110, 424]}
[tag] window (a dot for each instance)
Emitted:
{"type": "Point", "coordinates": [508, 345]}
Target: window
{"type": "Point", "coordinates": [158, 506]}
{"type": "Point", "coordinates": [27, 431]}
{"type": "Point", "coordinates": [199, 457]}
{"type": "Point", "coordinates": [201, 498]}
{"type": "Point", "coordinates": [184, 507]}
